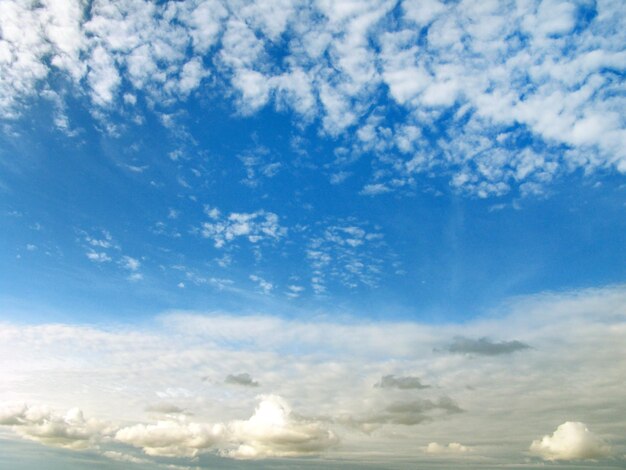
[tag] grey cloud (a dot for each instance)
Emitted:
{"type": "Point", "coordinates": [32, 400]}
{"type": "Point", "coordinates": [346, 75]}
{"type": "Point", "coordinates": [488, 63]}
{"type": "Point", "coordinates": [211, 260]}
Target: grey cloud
{"type": "Point", "coordinates": [407, 413]}
{"type": "Point", "coordinates": [241, 379]}
{"type": "Point", "coordinates": [165, 408]}
{"type": "Point", "coordinates": [484, 346]}
{"type": "Point", "coordinates": [402, 383]}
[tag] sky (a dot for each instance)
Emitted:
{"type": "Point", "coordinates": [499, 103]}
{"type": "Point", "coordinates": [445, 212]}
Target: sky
{"type": "Point", "coordinates": [312, 234]}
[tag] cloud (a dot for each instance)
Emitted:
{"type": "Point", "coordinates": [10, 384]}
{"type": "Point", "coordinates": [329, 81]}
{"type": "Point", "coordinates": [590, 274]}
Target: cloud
{"type": "Point", "coordinates": [514, 93]}
{"type": "Point", "coordinates": [265, 286]}
{"type": "Point", "coordinates": [374, 189]}
{"type": "Point", "coordinates": [484, 346]}
{"type": "Point", "coordinates": [401, 383]}
{"type": "Point", "coordinates": [272, 431]}
{"type": "Point", "coordinates": [256, 227]}
{"type": "Point", "coordinates": [98, 256]}
{"type": "Point", "coordinates": [451, 448]}
{"type": "Point", "coordinates": [165, 408]}
{"type": "Point", "coordinates": [129, 263]}
{"type": "Point", "coordinates": [242, 379]}
{"type": "Point", "coordinates": [275, 431]}
{"type": "Point", "coordinates": [70, 430]}
{"type": "Point", "coordinates": [347, 251]}
{"type": "Point", "coordinates": [121, 457]}
{"type": "Point", "coordinates": [570, 441]}
{"type": "Point", "coordinates": [171, 438]}
{"type": "Point", "coordinates": [405, 413]}
{"type": "Point", "coordinates": [577, 364]}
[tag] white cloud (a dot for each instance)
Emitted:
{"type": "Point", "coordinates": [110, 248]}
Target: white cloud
{"type": "Point", "coordinates": [255, 227]}
{"type": "Point", "coordinates": [548, 71]}
{"type": "Point", "coordinates": [570, 441]}
{"type": "Point", "coordinates": [347, 253]}
{"type": "Point", "coordinates": [265, 286]}
{"type": "Point", "coordinates": [451, 448]}
{"type": "Point", "coordinates": [129, 263]}
{"type": "Point", "coordinates": [171, 438]}
{"type": "Point", "coordinates": [37, 423]}
{"type": "Point", "coordinates": [374, 189]}
{"type": "Point", "coordinates": [98, 257]}
{"type": "Point", "coordinates": [274, 431]}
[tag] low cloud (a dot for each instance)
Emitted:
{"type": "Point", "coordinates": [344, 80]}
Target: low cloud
{"type": "Point", "coordinates": [402, 383]}
{"type": "Point", "coordinates": [406, 413]}
{"type": "Point", "coordinates": [484, 346]}
{"type": "Point", "coordinates": [70, 430]}
{"type": "Point", "coordinates": [570, 441]}
{"type": "Point", "coordinates": [451, 448]}
{"type": "Point", "coordinates": [274, 431]}
{"type": "Point", "coordinates": [244, 380]}
{"type": "Point", "coordinates": [172, 438]}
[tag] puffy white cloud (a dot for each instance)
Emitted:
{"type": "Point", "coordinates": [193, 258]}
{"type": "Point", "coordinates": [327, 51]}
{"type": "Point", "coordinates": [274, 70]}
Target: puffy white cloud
{"type": "Point", "coordinates": [272, 431]}
{"type": "Point", "coordinates": [172, 438]}
{"type": "Point", "coordinates": [70, 430]}
{"type": "Point", "coordinates": [570, 441]}
{"type": "Point", "coordinates": [275, 431]}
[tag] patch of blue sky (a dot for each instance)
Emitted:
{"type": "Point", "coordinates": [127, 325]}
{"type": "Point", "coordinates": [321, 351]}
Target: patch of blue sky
{"type": "Point", "coordinates": [405, 166]}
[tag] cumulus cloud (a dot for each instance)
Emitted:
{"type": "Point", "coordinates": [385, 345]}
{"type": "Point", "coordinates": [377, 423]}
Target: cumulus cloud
{"type": "Point", "coordinates": [38, 423]}
{"type": "Point", "coordinates": [243, 379]}
{"type": "Point", "coordinates": [275, 431]}
{"type": "Point", "coordinates": [570, 441]}
{"type": "Point", "coordinates": [402, 383]}
{"type": "Point", "coordinates": [485, 346]}
{"type": "Point", "coordinates": [171, 438]}
{"type": "Point", "coordinates": [272, 431]}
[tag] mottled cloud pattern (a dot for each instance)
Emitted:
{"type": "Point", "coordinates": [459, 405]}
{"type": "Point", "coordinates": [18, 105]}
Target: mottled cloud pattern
{"type": "Point", "coordinates": [495, 95]}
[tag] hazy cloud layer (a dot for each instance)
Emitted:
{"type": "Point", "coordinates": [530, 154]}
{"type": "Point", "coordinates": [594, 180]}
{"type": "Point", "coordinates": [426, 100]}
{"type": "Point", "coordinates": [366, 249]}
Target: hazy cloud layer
{"type": "Point", "coordinates": [138, 381]}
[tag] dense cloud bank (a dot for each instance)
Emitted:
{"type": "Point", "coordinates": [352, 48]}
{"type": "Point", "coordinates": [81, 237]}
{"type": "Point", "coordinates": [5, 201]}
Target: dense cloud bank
{"type": "Point", "coordinates": [394, 391]}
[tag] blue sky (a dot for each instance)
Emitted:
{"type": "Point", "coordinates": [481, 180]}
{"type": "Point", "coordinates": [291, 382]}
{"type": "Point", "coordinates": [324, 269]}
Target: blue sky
{"type": "Point", "coordinates": [399, 168]}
